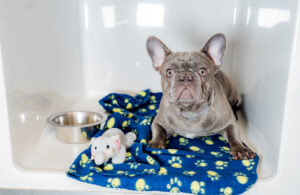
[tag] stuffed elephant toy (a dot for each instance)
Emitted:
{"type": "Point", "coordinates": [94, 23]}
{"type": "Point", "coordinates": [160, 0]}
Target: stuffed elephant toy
{"type": "Point", "coordinates": [112, 144]}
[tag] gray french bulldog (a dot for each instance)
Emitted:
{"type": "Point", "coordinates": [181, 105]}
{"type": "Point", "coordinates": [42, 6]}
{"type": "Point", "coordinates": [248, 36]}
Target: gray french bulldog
{"type": "Point", "coordinates": [197, 96]}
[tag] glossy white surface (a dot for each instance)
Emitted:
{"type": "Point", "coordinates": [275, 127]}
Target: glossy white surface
{"type": "Point", "coordinates": [61, 55]}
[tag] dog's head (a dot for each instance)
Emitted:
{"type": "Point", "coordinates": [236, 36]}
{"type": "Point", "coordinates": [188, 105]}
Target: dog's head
{"type": "Point", "coordinates": [187, 77]}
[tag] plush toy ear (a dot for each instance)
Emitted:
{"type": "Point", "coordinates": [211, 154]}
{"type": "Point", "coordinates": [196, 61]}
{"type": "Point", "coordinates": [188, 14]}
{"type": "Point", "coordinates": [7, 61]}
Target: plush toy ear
{"type": "Point", "coordinates": [117, 141]}
{"type": "Point", "coordinates": [215, 49]}
{"type": "Point", "coordinates": [157, 51]}
{"type": "Point", "coordinates": [118, 145]}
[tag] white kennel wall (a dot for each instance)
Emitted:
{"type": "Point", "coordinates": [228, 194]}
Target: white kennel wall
{"type": "Point", "coordinates": [61, 55]}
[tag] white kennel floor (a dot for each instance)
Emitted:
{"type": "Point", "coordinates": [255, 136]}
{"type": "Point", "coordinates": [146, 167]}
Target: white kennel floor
{"type": "Point", "coordinates": [59, 55]}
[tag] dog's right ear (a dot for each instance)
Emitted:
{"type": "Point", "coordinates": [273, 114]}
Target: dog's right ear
{"type": "Point", "coordinates": [157, 51]}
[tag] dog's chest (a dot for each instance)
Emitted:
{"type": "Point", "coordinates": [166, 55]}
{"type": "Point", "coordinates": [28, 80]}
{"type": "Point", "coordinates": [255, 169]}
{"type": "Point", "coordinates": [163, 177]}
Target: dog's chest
{"type": "Point", "coordinates": [203, 125]}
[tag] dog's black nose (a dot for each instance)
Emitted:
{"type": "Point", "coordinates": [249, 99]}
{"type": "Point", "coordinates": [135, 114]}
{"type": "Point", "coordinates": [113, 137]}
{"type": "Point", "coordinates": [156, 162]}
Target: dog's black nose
{"type": "Point", "coordinates": [186, 77]}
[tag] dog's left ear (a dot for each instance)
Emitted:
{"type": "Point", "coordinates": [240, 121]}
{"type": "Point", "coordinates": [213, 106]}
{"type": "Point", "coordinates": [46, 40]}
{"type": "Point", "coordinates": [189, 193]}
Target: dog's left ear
{"type": "Point", "coordinates": [215, 49]}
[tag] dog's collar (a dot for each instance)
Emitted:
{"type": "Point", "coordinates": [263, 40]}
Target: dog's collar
{"type": "Point", "coordinates": [197, 115]}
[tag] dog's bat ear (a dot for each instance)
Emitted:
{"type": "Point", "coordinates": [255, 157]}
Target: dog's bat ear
{"type": "Point", "coordinates": [215, 49]}
{"type": "Point", "coordinates": [157, 51]}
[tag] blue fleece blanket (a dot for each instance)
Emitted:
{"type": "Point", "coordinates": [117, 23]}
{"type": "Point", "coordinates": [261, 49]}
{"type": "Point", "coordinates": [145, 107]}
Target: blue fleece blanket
{"type": "Point", "coordinates": [199, 166]}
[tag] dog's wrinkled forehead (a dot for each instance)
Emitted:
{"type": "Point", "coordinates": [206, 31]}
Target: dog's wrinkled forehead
{"type": "Point", "coordinates": [184, 61]}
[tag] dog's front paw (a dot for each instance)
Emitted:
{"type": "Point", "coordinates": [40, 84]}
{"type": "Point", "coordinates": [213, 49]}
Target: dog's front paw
{"type": "Point", "coordinates": [240, 152]}
{"type": "Point", "coordinates": [158, 144]}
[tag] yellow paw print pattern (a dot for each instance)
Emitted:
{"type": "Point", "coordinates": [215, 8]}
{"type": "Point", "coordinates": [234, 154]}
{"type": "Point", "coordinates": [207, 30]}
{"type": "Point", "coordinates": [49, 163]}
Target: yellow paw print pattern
{"type": "Point", "coordinates": [108, 167]}
{"type": "Point", "coordinates": [129, 106]}
{"type": "Point", "coordinates": [221, 138]}
{"type": "Point", "coordinates": [118, 110]}
{"type": "Point", "coordinates": [112, 97]}
{"type": "Point", "coordinates": [153, 99]}
{"type": "Point", "coordinates": [137, 151]}
{"type": "Point", "coordinates": [213, 175]}
{"type": "Point", "coordinates": [156, 152]}
{"type": "Point", "coordinates": [135, 131]}
{"type": "Point", "coordinates": [225, 149]}
{"type": "Point", "coordinates": [142, 110]}
{"type": "Point", "coordinates": [248, 163]}
{"type": "Point", "coordinates": [88, 177]}
{"type": "Point", "coordinates": [175, 162]}
{"type": "Point", "coordinates": [216, 154]}
{"type": "Point", "coordinates": [84, 160]}
{"type": "Point", "coordinates": [226, 191]}
{"type": "Point", "coordinates": [190, 156]}
{"type": "Point", "coordinates": [130, 115]}
{"type": "Point", "coordinates": [207, 140]}
{"type": "Point", "coordinates": [196, 149]}
{"type": "Point", "coordinates": [174, 185]}
{"type": "Point", "coordinates": [128, 156]}
{"type": "Point", "coordinates": [122, 172]}
{"type": "Point", "coordinates": [163, 171]}
{"type": "Point", "coordinates": [125, 173]}
{"type": "Point", "coordinates": [150, 160]}
{"type": "Point", "coordinates": [110, 122]}
{"type": "Point", "coordinates": [190, 173]}
{"type": "Point", "coordinates": [134, 165]}
{"type": "Point", "coordinates": [241, 177]}
{"type": "Point", "coordinates": [183, 141]}
{"type": "Point", "coordinates": [145, 122]}
{"type": "Point", "coordinates": [200, 163]}
{"type": "Point", "coordinates": [152, 107]}
{"type": "Point", "coordinates": [84, 134]}
{"type": "Point", "coordinates": [172, 151]}
{"type": "Point", "coordinates": [141, 185]}
{"type": "Point", "coordinates": [72, 169]}
{"type": "Point", "coordinates": [98, 169]}
{"type": "Point", "coordinates": [149, 171]}
{"type": "Point", "coordinates": [221, 164]}
{"type": "Point", "coordinates": [113, 183]}
{"type": "Point", "coordinates": [125, 124]}
{"type": "Point", "coordinates": [197, 187]}
{"type": "Point", "coordinates": [142, 93]}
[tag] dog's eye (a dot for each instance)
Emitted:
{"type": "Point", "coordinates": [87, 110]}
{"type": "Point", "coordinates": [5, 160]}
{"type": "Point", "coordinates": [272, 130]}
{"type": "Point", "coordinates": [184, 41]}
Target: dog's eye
{"type": "Point", "coordinates": [95, 147]}
{"type": "Point", "coordinates": [107, 146]}
{"type": "Point", "coordinates": [170, 72]}
{"type": "Point", "coordinates": [202, 72]}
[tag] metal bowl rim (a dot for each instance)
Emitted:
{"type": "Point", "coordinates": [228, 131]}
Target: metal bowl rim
{"type": "Point", "coordinates": [53, 116]}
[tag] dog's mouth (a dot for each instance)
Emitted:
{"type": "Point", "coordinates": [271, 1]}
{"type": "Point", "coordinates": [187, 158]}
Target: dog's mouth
{"type": "Point", "coordinates": [185, 94]}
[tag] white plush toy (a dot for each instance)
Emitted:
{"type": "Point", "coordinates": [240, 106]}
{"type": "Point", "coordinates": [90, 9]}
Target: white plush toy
{"type": "Point", "coordinates": [111, 144]}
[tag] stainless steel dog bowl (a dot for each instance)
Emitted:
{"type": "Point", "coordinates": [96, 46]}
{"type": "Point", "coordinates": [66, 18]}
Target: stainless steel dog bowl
{"type": "Point", "coordinates": [75, 127]}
